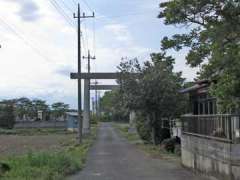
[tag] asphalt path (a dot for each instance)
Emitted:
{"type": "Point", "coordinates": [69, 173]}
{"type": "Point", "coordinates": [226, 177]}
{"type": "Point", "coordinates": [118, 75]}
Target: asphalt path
{"type": "Point", "coordinates": [113, 158]}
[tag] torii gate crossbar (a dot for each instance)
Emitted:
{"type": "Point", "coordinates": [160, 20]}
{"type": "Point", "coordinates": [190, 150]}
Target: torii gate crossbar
{"type": "Point", "coordinates": [87, 77]}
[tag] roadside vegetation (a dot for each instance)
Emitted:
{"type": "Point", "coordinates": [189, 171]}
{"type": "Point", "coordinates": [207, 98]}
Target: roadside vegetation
{"type": "Point", "coordinates": [155, 151]}
{"type": "Point", "coordinates": [212, 44]}
{"type": "Point", "coordinates": [25, 109]}
{"type": "Point", "coordinates": [50, 164]}
{"type": "Point", "coordinates": [33, 131]}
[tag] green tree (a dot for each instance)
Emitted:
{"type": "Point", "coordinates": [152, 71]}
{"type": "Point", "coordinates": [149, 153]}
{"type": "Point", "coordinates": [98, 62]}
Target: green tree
{"type": "Point", "coordinates": [24, 107]}
{"type": "Point", "coordinates": [214, 42]}
{"type": "Point", "coordinates": [112, 105]}
{"type": "Point", "coordinates": [59, 109]}
{"type": "Point", "coordinates": [154, 93]}
{"type": "Point", "coordinates": [7, 118]}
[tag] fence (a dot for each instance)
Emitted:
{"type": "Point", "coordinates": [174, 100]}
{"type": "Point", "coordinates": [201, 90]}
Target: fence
{"type": "Point", "coordinates": [218, 126]}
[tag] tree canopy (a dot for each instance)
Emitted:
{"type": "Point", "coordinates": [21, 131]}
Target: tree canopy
{"type": "Point", "coordinates": [213, 40]}
{"type": "Point", "coordinates": [153, 94]}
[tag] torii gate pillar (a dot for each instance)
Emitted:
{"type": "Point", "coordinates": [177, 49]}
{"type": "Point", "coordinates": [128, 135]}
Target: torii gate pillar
{"type": "Point", "coordinates": [86, 112]}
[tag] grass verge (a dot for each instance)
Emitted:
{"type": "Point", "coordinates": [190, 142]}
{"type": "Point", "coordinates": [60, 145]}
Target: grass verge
{"type": "Point", "coordinates": [155, 151]}
{"type": "Point", "coordinates": [48, 165]}
{"type": "Point", "coordinates": [33, 131]}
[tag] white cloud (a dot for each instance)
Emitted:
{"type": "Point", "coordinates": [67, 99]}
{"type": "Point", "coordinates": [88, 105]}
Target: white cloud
{"type": "Point", "coordinates": [23, 72]}
{"type": "Point", "coordinates": [39, 68]}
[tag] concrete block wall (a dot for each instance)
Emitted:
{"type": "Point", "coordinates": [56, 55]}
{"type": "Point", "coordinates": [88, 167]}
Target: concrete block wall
{"type": "Point", "coordinates": [216, 159]}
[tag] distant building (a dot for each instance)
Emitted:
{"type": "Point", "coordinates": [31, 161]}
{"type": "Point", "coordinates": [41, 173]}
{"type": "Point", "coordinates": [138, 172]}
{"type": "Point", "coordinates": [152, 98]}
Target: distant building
{"type": "Point", "coordinates": [72, 121]}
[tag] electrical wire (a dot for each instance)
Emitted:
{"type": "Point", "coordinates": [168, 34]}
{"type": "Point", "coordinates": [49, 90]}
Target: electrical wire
{"type": "Point", "coordinates": [66, 6]}
{"type": "Point", "coordinates": [62, 13]}
{"type": "Point", "coordinates": [86, 33]}
{"type": "Point", "coordinates": [88, 6]}
{"type": "Point", "coordinates": [21, 37]}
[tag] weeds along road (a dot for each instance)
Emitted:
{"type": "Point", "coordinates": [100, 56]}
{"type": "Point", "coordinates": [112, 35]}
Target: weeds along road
{"type": "Point", "coordinates": [113, 158]}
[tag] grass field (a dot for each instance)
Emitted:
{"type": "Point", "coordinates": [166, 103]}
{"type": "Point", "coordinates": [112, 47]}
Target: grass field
{"type": "Point", "coordinates": [42, 156]}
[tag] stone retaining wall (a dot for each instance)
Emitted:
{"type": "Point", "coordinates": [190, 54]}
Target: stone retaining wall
{"type": "Point", "coordinates": [219, 160]}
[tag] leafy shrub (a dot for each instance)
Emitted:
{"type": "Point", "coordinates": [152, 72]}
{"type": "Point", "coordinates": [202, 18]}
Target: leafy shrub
{"type": "Point", "coordinates": [143, 128]}
{"type": "Point", "coordinates": [93, 119]}
{"type": "Point", "coordinates": [162, 134]}
{"type": "Point", "coordinates": [7, 118]}
{"type": "Point", "coordinates": [169, 144]}
{"type": "Point", "coordinates": [172, 145]}
{"type": "Point", "coordinates": [4, 168]}
{"type": "Point", "coordinates": [105, 118]}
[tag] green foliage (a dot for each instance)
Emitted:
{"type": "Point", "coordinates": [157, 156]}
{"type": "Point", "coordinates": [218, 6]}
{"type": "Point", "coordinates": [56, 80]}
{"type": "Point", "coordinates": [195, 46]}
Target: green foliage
{"type": "Point", "coordinates": [94, 119]}
{"type": "Point", "coordinates": [50, 165]}
{"type": "Point", "coordinates": [152, 150]}
{"type": "Point", "coordinates": [59, 109]}
{"type": "Point", "coordinates": [27, 108]}
{"type": "Point", "coordinates": [42, 166]}
{"type": "Point", "coordinates": [214, 42]}
{"type": "Point", "coordinates": [32, 131]}
{"type": "Point", "coordinates": [169, 144]}
{"type": "Point", "coordinates": [143, 128]}
{"type": "Point", "coordinates": [7, 118]}
{"type": "Point", "coordinates": [113, 106]}
{"type": "Point", "coordinates": [153, 94]}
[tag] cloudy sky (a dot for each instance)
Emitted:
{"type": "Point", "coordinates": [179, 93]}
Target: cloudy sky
{"type": "Point", "coordinates": [39, 47]}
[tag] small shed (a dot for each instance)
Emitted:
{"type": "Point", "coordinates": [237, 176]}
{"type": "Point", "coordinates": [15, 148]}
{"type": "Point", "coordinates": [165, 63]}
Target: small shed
{"type": "Point", "coordinates": [72, 121]}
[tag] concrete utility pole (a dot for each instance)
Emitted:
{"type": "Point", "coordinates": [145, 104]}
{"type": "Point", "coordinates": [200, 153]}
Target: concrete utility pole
{"type": "Point", "coordinates": [96, 100]}
{"type": "Point", "coordinates": [79, 17]}
{"type": "Point", "coordinates": [86, 112]}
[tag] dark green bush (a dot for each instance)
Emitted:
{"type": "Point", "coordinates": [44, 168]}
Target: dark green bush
{"type": "Point", "coordinates": [143, 127]}
{"type": "Point", "coordinates": [93, 119]}
{"type": "Point", "coordinates": [172, 145]}
{"type": "Point", "coordinates": [7, 118]}
{"type": "Point", "coordinates": [169, 144]}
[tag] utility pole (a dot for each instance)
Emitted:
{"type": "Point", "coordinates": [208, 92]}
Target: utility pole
{"type": "Point", "coordinates": [79, 17]}
{"type": "Point", "coordinates": [96, 99]}
{"type": "Point", "coordinates": [89, 57]}
{"type": "Point", "coordinates": [86, 112]}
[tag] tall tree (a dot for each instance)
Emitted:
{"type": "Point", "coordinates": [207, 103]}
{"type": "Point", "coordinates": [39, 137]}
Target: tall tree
{"type": "Point", "coordinates": [154, 92]}
{"type": "Point", "coordinates": [59, 109]}
{"type": "Point", "coordinates": [113, 107]}
{"type": "Point", "coordinates": [24, 108]}
{"type": "Point", "coordinates": [214, 41]}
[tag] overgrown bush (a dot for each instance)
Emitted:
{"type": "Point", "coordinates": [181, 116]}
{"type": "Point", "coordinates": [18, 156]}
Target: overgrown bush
{"type": "Point", "coordinates": [105, 117]}
{"type": "Point", "coordinates": [7, 118]}
{"type": "Point", "coordinates": [143, 128]}
{"type": "Point", "coordinates": [93, 119]}
{"type": "Point", "coordinates": [172, 145]}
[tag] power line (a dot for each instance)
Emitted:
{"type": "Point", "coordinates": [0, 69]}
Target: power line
{"type": "Point", "coordinates": [94, 36]}
{"type": "Point", "coordinates": [21, 37]}
{"type": "Point", "coordinates": [74, 2]}
{"type": "Point", "coordinates": [88, 6]}
{"type": "Point", "coordinates": [66, 6]}
{"type": "Point", "coordinates": [61, 11]}
{"type": "Point", "coordinates": [123, 15]}
{"type": "Point", "coordinates": [85, 27]}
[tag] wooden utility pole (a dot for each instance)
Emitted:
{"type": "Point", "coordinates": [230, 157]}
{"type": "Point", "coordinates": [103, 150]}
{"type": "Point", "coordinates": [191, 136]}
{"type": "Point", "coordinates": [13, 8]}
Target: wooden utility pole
{"type": "Point", "coordinates": [79, 17]}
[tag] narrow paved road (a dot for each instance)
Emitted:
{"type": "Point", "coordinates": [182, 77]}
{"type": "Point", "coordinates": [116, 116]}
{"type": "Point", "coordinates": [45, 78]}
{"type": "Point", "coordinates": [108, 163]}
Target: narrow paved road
{"type": "Point", "coordinates": [113, 158]}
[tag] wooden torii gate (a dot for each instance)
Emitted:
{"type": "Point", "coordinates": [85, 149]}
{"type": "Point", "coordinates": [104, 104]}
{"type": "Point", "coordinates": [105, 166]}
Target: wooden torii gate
{"type": "Point", "coordinates": [87, 87]}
